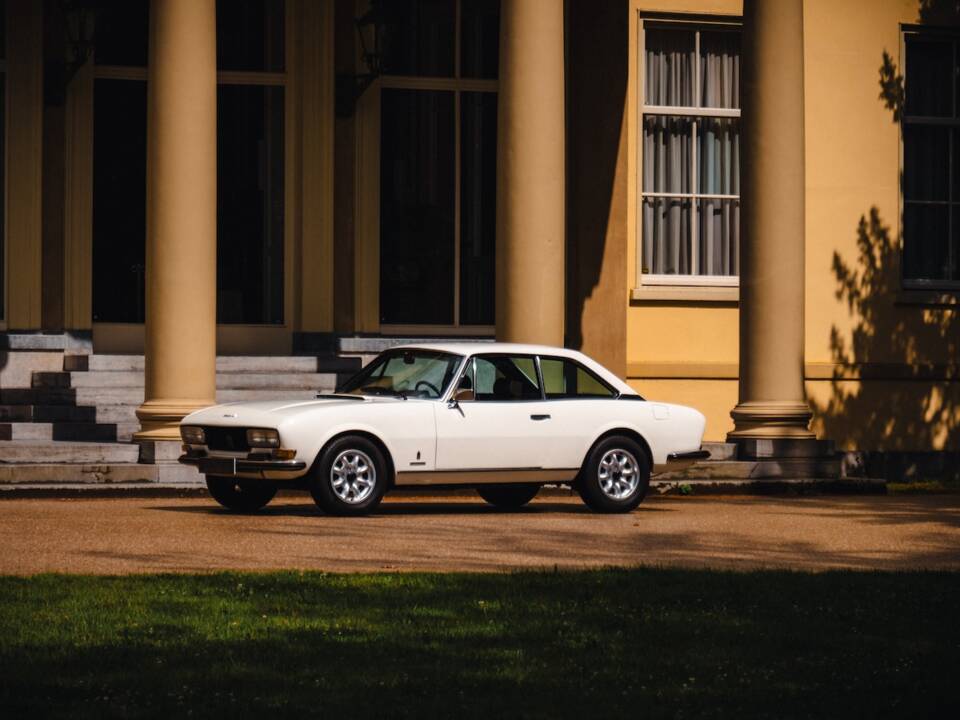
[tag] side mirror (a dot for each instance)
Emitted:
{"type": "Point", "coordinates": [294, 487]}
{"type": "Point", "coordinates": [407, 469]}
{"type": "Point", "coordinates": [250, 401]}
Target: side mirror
{"type": "Point", "coordinates": [464, 395]}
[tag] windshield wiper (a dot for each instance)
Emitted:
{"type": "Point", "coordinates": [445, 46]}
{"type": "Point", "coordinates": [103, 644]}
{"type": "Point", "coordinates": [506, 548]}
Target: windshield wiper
{"type": "Point", "coordinates": [380, 390]}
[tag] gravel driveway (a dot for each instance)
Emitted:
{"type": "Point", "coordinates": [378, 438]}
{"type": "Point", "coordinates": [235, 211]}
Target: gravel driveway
{"type": "Point", "coordinates": [126, 535]}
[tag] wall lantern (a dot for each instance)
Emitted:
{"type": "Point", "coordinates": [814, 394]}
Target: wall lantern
{"type": "Point", "coordinates": [76, 20]}
{"type": "Point", "coordinates": [350, 88]}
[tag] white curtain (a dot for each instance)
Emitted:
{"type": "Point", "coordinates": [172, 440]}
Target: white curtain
{"type": "Point", "coordinates": [667, 143]}
{"type": "Point", "coordinates": [668, 151]}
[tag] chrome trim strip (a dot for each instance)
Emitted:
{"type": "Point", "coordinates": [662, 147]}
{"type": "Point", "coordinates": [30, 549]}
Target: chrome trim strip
{"type": "Point", "coordinates": [244, 466]}
{"type": "Point", "coordinates": [485, 477]}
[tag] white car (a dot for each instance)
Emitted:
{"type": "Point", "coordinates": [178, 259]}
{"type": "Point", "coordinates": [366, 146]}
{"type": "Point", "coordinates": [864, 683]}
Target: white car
{"type": "Point", "coordinates": [503, 418]}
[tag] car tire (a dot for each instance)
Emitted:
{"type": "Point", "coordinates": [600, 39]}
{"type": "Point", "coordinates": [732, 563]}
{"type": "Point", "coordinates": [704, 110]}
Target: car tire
{"type": "Point", "coordinates": [350, 478]}
{"type": "Point", "coordinates": [239, 494]}
{"type": "Point", "coordinates": [508, 497]}
{"type": "Point", "coordinates": [616, 475]}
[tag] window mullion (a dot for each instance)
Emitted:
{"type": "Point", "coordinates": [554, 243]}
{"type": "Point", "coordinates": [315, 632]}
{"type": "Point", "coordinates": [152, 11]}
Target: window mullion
{"type": "Point", "coordinates": [695, 202]}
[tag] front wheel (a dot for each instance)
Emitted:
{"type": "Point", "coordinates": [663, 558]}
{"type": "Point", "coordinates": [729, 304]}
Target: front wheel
{"type": "Point", "coordinates": [350, 478]}
{"type": "Point", "coordinates": [616, 476]}
{"type": "Point", "coordinates": [508, 497]}
{"type": "Point", "coordinates": [239, 494]}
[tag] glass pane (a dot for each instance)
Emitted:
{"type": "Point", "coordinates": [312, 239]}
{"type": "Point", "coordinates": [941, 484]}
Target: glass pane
{"type": "Point", "coordinates": [3, 37]}
{"type": "Point", "coordinates": [720, 69]}
{"type": "Point", "coordinates": [719, 156]}
{"type": "Point", "coordinates": [506, 378]}
{"type": "Point", "coordinates": [3, 190]}
{"type": "Point", "coordinates": [417, 37]}
{"type": "Point", "coordinates": [119, 199]}
{"type": "Point", "coordinates": [718, 236]}
{"type": "Point", "coordinates": [478, 211]}
{"type": "Point", "coordinates": [480, 40]}
{"type": "Point", "coordinates": [250, 35]}
{"type": "Point", "coordinates": [121, 32]}
{"type": "Point", "coordinates": [666, 236]}
{"type": "Point", "coordinates": [250, 204]}
{"type": "Point", "coordinates": [669, 66]}
{"type": "Point", "coordinates": [926, 240]}
{"type": "Point", "coordinates": [416, 207]}
{"type": "Point", "coordinates": [666, 154]}
{"type": "Point", "coordinates": [565, 378]}
{"type": "Point", "coordinates": [926, 161]}
{"type": "Point", "coordinates": [929, 81]}
{"type": "Point", "coordinates": [954, 264]}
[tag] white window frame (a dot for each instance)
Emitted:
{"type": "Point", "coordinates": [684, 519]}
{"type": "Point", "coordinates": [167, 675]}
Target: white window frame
{"type": "Point", "coordinates": [457, 85]}
{"type": "Point", "coordinates": [954, 123]}
{"type": "Point", "coordinates": [694, 112]}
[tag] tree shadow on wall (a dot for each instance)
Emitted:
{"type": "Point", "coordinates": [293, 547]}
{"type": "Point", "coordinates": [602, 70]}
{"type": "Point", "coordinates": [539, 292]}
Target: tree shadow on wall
{"type": "Point", "coordinates": [914, 410]}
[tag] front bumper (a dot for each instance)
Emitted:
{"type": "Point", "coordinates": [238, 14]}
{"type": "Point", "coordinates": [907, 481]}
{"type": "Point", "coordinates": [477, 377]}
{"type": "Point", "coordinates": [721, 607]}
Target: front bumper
{"type": "Point", "coordinates": [232, 466]}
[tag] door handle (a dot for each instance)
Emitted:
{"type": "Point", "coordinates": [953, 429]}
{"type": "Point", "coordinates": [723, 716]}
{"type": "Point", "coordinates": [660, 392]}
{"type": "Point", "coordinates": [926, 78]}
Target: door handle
{"type": "Point", "coordinates": [539, 417]}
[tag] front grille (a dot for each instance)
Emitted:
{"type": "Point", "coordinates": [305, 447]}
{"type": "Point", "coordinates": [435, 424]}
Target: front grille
{"type": "Point", "coordinates": [228, 439]}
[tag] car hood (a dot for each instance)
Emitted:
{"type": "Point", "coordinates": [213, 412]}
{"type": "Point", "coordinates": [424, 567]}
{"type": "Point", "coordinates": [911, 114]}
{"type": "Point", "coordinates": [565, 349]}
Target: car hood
{"type": "Point", "coordinates": [271, 412]}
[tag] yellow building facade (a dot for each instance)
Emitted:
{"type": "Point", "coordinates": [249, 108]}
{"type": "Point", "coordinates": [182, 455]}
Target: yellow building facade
{"type": "Point", "coordinates": [556, 154]}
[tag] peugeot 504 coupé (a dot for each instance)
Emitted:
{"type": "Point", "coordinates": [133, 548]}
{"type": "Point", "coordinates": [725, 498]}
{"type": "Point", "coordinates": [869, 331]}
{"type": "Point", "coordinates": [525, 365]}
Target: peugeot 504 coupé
{"type": "Point", "coordinates": [503, 418]}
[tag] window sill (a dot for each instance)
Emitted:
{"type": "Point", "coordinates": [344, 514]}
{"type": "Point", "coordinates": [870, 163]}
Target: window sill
{"type": "Point", "coordinates": [928, 297]}
{"type": "Point", "coordinates": [686, 293]}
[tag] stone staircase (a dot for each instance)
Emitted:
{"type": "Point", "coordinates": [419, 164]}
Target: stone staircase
{"type": "Point", "coordinates": [76, 425]}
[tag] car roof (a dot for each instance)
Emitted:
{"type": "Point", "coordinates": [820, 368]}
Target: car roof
{"type": "Point", "coordinates": [473, 348]}
{"type": "Point", "coordinates": [467, 347]}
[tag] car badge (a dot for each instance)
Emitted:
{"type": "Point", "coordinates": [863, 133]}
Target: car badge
{"type": "Point", "coordinates": [230, 415]}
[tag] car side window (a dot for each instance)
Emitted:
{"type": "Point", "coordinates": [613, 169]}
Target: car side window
{"type": "Point", "coordinates": [565, 378]}
{"type": "Point", "coordinates": [503, 378]}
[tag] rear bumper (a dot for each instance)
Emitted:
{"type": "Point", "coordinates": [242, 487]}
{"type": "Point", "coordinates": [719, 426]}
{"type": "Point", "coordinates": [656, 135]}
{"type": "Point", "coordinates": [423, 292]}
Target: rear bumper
{"type": "Point", "coordinates": [692, 457]}
{"type": "Point", "coordinates": [243, 467]}
{"type": "Point", "coordinates": [683, 460]}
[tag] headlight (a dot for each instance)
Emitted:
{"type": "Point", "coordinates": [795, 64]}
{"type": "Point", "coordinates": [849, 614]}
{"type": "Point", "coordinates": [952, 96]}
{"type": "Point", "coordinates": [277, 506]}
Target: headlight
{"type": "Point", "coordinates": [192, 435]}
{"type": "Point", "coordinates": [261, 438]}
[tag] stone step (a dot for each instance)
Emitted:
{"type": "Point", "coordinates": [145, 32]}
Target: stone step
{"type": "Point", "coordinates": [46, 413]}
{"type": "Point", "coordinates": [721, 450]}
{"type": "Point", "coordinates": [63, 475]}
{"type": "Point", "coordinates": [233, 381]}
{"type": "Point", "coordinates": [225, 363]}
{"type": "Point", "coordinates": [59, 452]}
{"type": "Point", "coordinates": [71, 431]}
{"type": "Point", "coordinates": [38, 396]}
{"type": "Point", "coordinates": [134, 396]}
{"type": "Point", "coordinates": [117, 413]}
{"type": "Point", "coordinates": [786, 469]}
{"type": "Point", "coordinates": [125, 430]}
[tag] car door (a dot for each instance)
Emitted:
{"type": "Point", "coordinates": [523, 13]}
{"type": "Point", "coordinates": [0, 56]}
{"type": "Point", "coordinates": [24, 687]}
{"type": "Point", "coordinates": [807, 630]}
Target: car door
{"type": "Point", "coordinates": [504, 426]}
{"type": "Point", "coordinates": [578, 403]}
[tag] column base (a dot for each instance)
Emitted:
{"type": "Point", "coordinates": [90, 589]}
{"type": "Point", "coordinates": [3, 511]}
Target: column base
{"type": "Point", "coordinates": [160, 419]}
{"type": "Point", "coordinates": [771, 429]}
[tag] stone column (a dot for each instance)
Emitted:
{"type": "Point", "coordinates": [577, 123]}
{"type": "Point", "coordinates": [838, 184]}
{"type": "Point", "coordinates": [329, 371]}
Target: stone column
{"type": "Point", "coordinates": [531, 173]}
{"type": "Point", "coordinates": [772, 416]}
{"type": "Point", "coordinates": [181, 254]}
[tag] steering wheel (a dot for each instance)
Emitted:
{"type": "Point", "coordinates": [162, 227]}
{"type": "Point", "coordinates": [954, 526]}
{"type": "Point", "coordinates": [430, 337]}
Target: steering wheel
{"type": "Point", "coordinates": [430, 385]}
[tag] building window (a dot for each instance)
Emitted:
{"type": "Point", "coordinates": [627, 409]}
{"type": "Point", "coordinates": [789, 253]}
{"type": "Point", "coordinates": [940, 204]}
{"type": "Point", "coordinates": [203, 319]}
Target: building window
{"type": "Point", "coordinates": [438, 137]}
{"type": "Point", "coordinates": [690, 125]}
{"type": "Point", "coordinates": [931, 169]}
{"type": "Point", "coordinates": [251, 96]}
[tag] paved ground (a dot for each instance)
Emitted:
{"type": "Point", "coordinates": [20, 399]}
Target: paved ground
{"type": "Point", "coordinates": [122, 535]}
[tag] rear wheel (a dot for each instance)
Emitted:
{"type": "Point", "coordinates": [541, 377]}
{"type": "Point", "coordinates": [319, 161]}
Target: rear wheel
{"type": "Point", "coordinates": [350, 478]}
{"type": "Point", "coordinates": [508, 497]}
{"type": "Point", "coordinates": [240, 494]}
{"type": "Point", "coordinates": [616, 476]}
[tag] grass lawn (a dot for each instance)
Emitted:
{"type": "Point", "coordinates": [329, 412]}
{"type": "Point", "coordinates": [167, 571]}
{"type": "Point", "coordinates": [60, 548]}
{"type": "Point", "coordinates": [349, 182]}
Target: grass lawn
{"type": "Point", "coordinates": [635, 643]}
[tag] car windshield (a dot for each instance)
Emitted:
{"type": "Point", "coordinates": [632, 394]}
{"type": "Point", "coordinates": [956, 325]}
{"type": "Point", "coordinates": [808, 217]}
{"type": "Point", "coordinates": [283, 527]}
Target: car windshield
{"type": "Point", "coordinates": [405, 373]}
